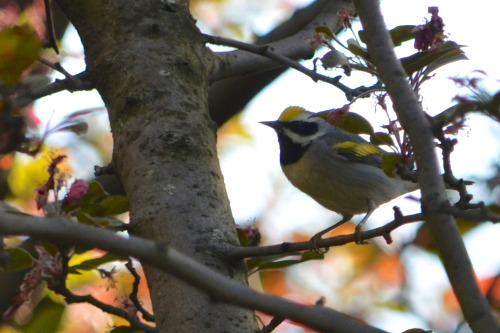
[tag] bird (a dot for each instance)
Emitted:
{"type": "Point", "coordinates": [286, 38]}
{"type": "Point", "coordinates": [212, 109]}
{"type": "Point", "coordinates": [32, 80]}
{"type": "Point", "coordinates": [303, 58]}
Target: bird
{"type": "Point", "coordinates": [339, 170]}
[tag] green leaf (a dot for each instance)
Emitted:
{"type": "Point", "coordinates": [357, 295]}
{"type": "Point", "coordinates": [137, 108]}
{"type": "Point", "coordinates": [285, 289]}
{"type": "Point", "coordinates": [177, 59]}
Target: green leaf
{"type": "Point", "coordinates": [357, 49]}
{"type": "Point", "coordinates": [253, 263]}
{"type": "Point", "coordinates": [20, 48]}
{"type": "Point", "coordinates": [399, 34]}
{"type": "Point", "coordinates": [312, 255]}
{"type": "Point", "coordinates": [362, 36]}
{"type": "Point", "coordinates": [306, 256]}
{"type": "Point", "coordinates": [456, 111]}
{"type": "Point", "coordinates": [97, 203]}
{"type": "Point", "coordinates": [447, 115]}
{"type": "Point", "coordinates": [380, 138]}
{"type": "Point", "coordinates": [90, 264]}
{"type": "Point", "coordinates": [446, 59]}
{"type": "Point", "coordinates": [95, 192]}
{"type": "Point", "coordinates": [354, 123]}
{"type": "Point", "coordinates": [45, 318]}
{"type": "Point", "coordinates": [275, 262]}
{"type": "Point", "coordinates": [86, 218]}
{"type": "Point", "coordinates": [114, 205]}
{"type": "Point", "coordinates": [95, 215]}
{"type": "Point", "coordinates": [17, 259]}
{"type": "Point", "coordinates": [93, 209]}
{"type": "Point", "coordinates": [328, 32]}
{"type": "Point", "coordinates": [350, 122]}
{"type": "Point", "coordinates": [50, 248]}
{"type": "Point", "coordinates": [402, 34]}
{"type": "Point", "coordinates": [325, 30]}
{"type": "Point", "coordinates": [104, 221]}
{"type": "Point", "coordinates": [242, 236]}
{"type": "Point", "coordinates": [323, 115]}
{"type": "Point", "coordinates": [449, 52]}
{"type": "Point", "coordinates": [389, 161]}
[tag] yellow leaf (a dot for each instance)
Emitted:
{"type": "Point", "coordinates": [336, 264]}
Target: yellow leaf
{"type": "Point", "coordinates": [27, 173]}
{"type": "Point", "coordinates": [234, 126]}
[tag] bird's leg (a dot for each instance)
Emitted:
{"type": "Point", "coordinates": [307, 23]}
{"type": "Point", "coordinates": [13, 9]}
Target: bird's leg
{"type": "Point", "coordinates": [313, 242]}
{"type": "Point", "coordinates": [358, 229]}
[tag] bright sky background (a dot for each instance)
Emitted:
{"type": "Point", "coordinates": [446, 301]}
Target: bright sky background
{"type": "Point", "coordinates": [256, 184]}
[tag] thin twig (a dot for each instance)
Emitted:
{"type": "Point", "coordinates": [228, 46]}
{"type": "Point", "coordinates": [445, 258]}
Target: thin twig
{"type": "Point", "coordinates": [135, 289]}
{"type": "Point", "coordinates": [134, 321]}
{"type": "Point", "coordinates": [57, 66]}
{"type": "Point", "coordinates": [267, 52]}
{"type": "Point", "coordinates": [49, 17]}
{"type": "Point", "coordinates": [383, 231]}
{"type": "Point", "coordinates": [275, 322]}
{"type": "Point", "coordinates": [76, 83]}
{"type": "Point", "coordinates": [447, 146]}
{"type": "Point", "coordinates": [478, 214]}
{"type": "Point", "coordinates": [61, 288]}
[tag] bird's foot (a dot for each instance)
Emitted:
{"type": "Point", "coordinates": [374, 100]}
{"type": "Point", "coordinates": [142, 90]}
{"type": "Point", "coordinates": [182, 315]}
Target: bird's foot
{"type": "Point", "coordinates": [313, 244]}
{"type": "Point", "coordinates": [357, 235]}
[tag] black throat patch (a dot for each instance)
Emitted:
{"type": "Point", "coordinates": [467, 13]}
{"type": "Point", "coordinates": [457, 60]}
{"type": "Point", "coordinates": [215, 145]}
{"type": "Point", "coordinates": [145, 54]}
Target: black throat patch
{"type": "Point", "coordinates": [290, 152]}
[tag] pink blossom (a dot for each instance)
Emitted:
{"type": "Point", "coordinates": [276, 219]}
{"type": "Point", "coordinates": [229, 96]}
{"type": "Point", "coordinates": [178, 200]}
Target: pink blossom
{"type": "Point", "coordinates": [78, 189]}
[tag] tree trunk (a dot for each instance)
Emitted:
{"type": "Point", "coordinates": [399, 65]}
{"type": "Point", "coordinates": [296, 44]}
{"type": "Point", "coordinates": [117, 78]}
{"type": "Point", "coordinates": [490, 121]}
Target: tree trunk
{"type": "Point", "coordinates": [151, 68]}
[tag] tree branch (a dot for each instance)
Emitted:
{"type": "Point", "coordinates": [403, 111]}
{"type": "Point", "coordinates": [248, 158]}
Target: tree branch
{"type": "Point", "coordinates": [60, 231]}
{"type": "Point", "coordinates": [301, 45]}
{"type": "Point", "coordinates": [74, 83]}
{"type": "Point", "coordinates": [442, 224]}
{"type": "Point", "coordinates": [479, 214]}
{"type": "Point", "coordinates": [267, 52]}
{"type": "Point", "coordinates": [383, 231]}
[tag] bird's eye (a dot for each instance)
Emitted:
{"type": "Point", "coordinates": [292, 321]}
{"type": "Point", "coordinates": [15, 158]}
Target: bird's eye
{"type": "Point", "coordinates": [303, 128]}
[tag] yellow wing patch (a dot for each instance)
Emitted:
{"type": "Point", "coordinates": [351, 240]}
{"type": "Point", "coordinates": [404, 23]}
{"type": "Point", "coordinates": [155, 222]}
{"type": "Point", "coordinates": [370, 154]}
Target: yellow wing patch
{"type": "Point", "coordinates": [358, 148]}
{"type": "Point", "coordinates": [291, 113]}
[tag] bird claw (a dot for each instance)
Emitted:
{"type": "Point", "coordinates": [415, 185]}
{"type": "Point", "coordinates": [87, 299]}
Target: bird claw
{"type": "Point", "coordinates": [357, 235]}
{"type": "Point", "coordinates": [313, 244]}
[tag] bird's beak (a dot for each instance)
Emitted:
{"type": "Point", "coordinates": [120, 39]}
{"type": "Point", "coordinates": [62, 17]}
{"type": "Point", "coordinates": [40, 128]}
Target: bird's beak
{"type": "Point", "coordinates": [276, 125]}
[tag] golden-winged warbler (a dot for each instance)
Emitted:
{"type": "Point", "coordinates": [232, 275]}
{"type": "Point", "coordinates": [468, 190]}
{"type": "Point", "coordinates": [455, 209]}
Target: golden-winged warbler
{"type": "Point", "coordinates": [340, 170]}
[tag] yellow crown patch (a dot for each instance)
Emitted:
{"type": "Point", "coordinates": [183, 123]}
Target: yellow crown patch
{"type": "Point", "coordinates": [291, 113]}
